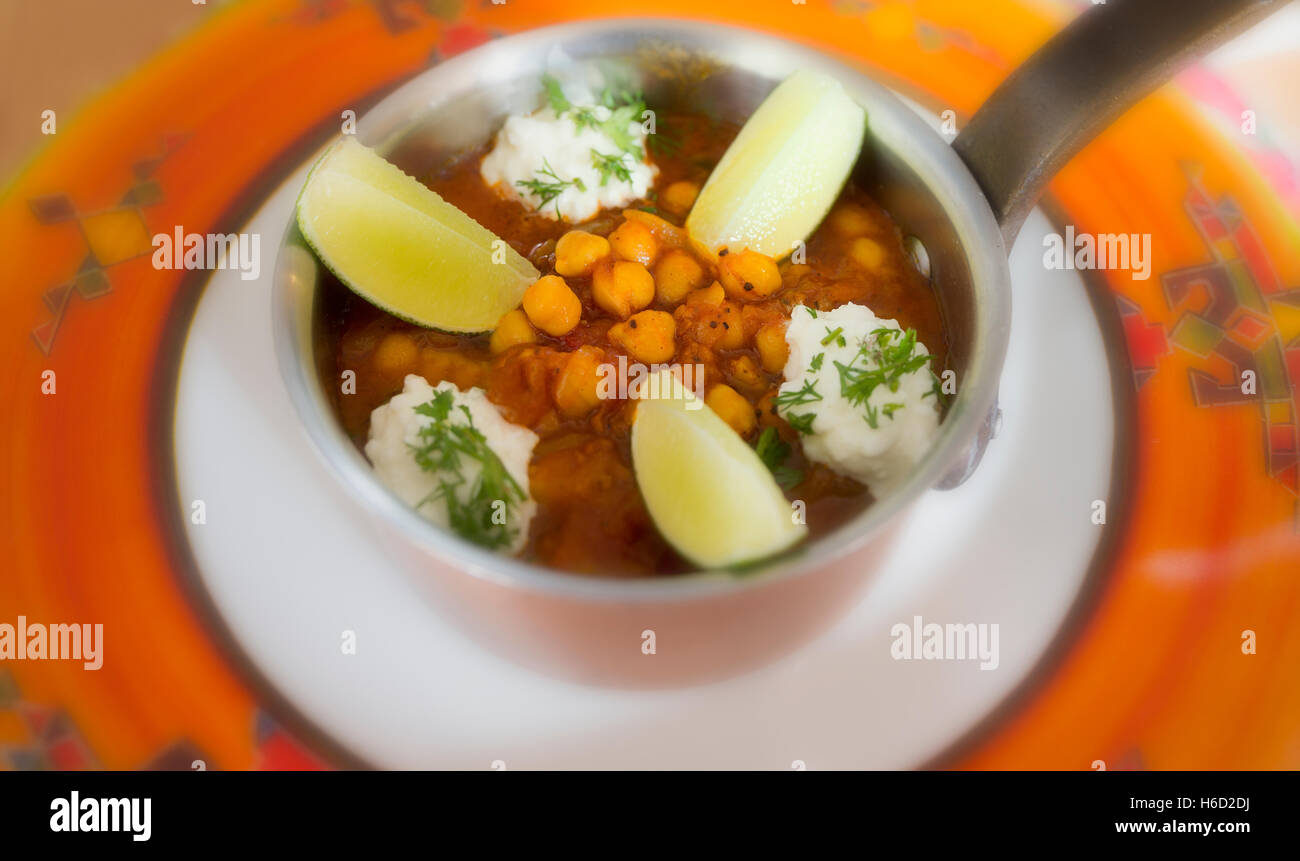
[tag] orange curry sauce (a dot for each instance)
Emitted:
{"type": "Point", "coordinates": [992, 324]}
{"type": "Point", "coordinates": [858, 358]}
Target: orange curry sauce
{"type": "Point", "coordinates": [591, 517]}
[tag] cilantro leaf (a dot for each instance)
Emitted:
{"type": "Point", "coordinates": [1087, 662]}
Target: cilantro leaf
{"type": "Point", "coordinates": [773, 451]}
{"type": "Point", "coordinates": [555, 95]}
{"type": "Point", "coordinates": [444, 447]}
{"type": "Point", "coordinates": [617, 128]}
{"type": "Point", "coordinates": [802, 422]}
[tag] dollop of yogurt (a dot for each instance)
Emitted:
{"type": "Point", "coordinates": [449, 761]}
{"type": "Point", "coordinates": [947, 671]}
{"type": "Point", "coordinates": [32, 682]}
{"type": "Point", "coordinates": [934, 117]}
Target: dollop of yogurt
{"type": "Point", "coordinates": [395, 438]}
{"type": "Point", "coordinates": [566, 165]}
{"type": "Point", "coordinates": [860, 391]}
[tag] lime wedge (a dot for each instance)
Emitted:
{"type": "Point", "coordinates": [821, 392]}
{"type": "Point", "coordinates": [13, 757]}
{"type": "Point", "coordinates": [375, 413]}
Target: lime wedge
{"type": "Point", "coordinates": [400, 246]}
{"type": "Point", "coordinates": [783, 171]}
{"type": "Point", "coordinates": [708, 492]}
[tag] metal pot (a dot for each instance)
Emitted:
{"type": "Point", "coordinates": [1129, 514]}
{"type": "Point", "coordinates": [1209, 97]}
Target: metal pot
{"type": "Point", "coordinates": [961, 205]}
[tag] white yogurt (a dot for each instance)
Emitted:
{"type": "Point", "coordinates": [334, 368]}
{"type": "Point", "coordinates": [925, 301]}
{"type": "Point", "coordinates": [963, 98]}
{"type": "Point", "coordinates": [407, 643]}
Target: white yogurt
{"type": "Point", "coordinates": [878, 439]}
{"type": "Point", "coordinates": [556, 150]}
{"type": "Point", "coordinates": [395, 427]}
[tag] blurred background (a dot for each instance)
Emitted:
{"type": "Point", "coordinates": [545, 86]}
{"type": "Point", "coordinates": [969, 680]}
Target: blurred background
{"type": "Point", "coordinates": [57, 54]}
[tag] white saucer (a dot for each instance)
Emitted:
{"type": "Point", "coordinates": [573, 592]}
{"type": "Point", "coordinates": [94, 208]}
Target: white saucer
{"type": "Point", "coordinates": [289, 567]}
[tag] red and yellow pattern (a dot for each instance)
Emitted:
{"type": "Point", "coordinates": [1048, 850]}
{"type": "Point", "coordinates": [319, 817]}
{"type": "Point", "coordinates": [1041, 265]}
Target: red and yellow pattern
{"type": "Point", "coordinates": [1158, 678]}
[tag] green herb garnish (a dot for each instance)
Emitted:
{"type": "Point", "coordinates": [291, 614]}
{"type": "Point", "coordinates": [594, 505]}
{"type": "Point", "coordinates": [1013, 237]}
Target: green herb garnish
{"type": "Point", "coordinates": [585, 118]}
{"type": "Point", "coordinates": [625, 106]}
{"type": "Point", "coordinates": [665, 144]}
{"type": "Point", "coordinates": [802, 422]}
{"type": "Point", "coordinates": [551, 187]}
{"type": "Point", "coordinates": [555, 95]}
{"type": "Point", "coordinates": [444, 447]}
{"type": "Point", "coordinates": [816, 364]}
{"type": "Point", "coordinates": [888, 355]}
{"type": "Point", "coordinates": [773, 451]}
{"type": "Point", "coordinates": [611, 165]}
{"type": "Point", "coordinates": [620, 94]}
{"type": "Point", "coordinates": [837, 336]}
{"type": "Point", "coordinates": [936, 389]}
{"type": "Point", "coordinates": [616, 127]}
{"type": "Point", "coordinates": [805, 395]}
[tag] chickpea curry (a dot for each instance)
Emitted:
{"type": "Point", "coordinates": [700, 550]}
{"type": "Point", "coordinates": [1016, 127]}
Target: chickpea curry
{"type": "Point", "coordinates": [630, 283]}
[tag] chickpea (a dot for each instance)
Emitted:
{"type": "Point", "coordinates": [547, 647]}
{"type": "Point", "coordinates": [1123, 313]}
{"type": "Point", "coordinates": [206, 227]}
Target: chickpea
{"type": "Point", "coordinates": [749, 275]}
{"type": "Point", "coordinates": [513, 328]}
{"type": "Point", "coordinates": [746, 374]}
{"type": "Point", "coordinates": [465, 373]}
{"type": "Point", "coordinates": [434, 365]}
{"type": "Point", "coordinates": [395, 354]}
{"type": "Point", "coordinates": [732, 407]}
{"type": "Point", "coordinates": [633, 240]}
{"type": "Point", "coordinates": [578, 251]}
{"type": "Point", "coordinates": [773, 351]}
{"type": "Point", "coordinates": [679, 197]}
{"type": "Point", "coordinates": [711, 295]}
{"type": "Point", "coordinates": [648, 337]}
{"type": "Point", "coordinates": [690, 374]}
{"type": "Point", "coordinates": [676, 274]}
{"type": "Point", "coordinates": [551, 306]}
{"type": "Point", "coordinates": [622, 288]}
{"type": "Point", "coordinates": [867, 253]}
{"type": "Point", "coordinates": [661, 229]}
{"type": "Point", "coordinates": [576, 389]}
{"type": "Point", "coordinates": [849, 219]}
{"type": "Point", "coordinates": [733, 329]}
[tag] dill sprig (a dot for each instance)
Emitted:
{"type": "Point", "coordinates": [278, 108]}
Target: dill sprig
{"type": "Point", "coordinates": [804, 395]}
{"type": "Point", "coordinates": [444, 447]}
{"type": "Point", "coordinates": [550, 187]}
{"type": "Point", "coordinates": [611, 165]}
{"type": "Point", "coordinates": [586, 118]}
{"type": "Point", "coordinates": [888, 355]}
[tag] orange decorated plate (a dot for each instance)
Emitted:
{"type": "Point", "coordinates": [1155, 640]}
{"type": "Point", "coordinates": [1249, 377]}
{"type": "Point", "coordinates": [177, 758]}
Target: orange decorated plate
{"type": "Point", "coordinates": [1158, 636]}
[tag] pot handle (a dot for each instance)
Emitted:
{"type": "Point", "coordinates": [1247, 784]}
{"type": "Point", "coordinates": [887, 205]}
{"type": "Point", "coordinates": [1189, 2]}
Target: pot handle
{"type": "Point", "coordinates": [1079, 82]}
{"type": "Point", "coordinates": [1070, 89]}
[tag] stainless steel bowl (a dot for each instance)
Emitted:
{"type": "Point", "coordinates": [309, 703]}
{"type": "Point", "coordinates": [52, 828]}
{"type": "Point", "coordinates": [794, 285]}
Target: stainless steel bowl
{"type": "Point", "coordinates": [712, 623]}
